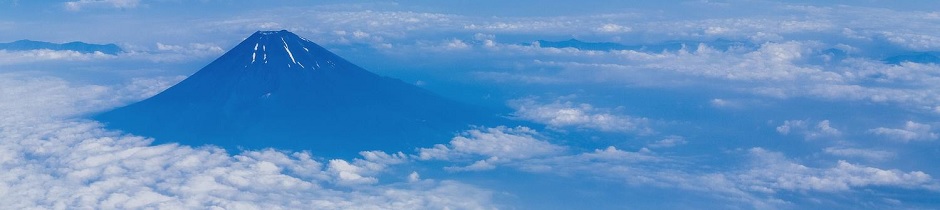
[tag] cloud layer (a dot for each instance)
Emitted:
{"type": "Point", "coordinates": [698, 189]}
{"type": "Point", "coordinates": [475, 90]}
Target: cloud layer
{"type": "Point", "coordinates": [53, 161]}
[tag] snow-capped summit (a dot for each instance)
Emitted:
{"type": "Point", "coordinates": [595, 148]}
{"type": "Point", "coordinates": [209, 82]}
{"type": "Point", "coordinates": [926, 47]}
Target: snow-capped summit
{"type": "Point", "coordinates": [276, 89]}
{"type": "Point", "coordinates": [287, 48]}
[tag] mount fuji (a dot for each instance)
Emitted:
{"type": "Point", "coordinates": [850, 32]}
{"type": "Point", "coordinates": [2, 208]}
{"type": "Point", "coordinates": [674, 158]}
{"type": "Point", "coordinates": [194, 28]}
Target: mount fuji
{"type": "Point", "coordinates": [276, 89]}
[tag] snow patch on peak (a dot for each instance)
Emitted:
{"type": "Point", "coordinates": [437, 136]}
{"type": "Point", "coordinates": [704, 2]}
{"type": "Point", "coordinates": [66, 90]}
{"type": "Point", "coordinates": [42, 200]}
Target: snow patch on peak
{"type": "Point", "coordinates": [254, 54]}
{"type": "Point", "coordinates": [271, 32]}
{"type": "Point", "coordinates": [288, 51]}
{"type": "Point", "coordinates": [264, 38]}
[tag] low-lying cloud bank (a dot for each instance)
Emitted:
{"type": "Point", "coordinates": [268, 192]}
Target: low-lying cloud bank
{"type": "Point", "coordinates": [53, 158]}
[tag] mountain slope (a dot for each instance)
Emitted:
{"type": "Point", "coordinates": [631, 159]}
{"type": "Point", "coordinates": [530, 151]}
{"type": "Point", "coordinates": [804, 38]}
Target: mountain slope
{"type": "Point", "coordinates": [276, 89]}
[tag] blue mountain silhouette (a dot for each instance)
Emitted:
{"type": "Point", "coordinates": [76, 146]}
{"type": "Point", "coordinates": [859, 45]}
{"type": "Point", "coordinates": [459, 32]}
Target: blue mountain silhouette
{"type": "Point", "coordinates": [81, 47]}
{"type": "Point", "coordinates": [276, 89]}
{"type": "Point", "coordinates": [917, 57]}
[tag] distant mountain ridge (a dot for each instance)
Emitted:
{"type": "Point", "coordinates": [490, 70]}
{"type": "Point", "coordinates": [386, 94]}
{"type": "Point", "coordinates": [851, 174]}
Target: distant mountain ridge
{"type": "Point", "coordinates": [914, 57]}
{"type": "Point", "coordinates": [24, 45]}
{"type": "Point", "coordinates": [276, 89]}
{"type": "Point", "coordinates": [720, 44]}
{"type": "Point", "coordinates": [831, 54]}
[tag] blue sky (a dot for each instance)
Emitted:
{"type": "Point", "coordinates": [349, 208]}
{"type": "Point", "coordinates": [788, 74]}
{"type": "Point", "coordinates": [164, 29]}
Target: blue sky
{"type": "Point", "coordinates": [803, 114]}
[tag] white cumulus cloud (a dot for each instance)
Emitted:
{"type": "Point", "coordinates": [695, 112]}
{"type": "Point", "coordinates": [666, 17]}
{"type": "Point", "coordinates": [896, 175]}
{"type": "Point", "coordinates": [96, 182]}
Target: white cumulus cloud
{"type": "Point", "coordinates": [613, 28]}
{"type": "Point", "coordinates": [45, 55]}
{"type": "Point", "coordinates": [561, 114]}
{"type": "Point", "coordinates": [912, 131]}
{"type": "Point", "coordinates": [500, 142]}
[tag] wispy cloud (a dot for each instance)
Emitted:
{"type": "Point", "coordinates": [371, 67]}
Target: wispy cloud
{"type": "Point", "coordinates": [868, 154]}
{"type": "Point", "coordinates": [118, 4]}
{"type": "Point", "coordinates": [773, 171]}
{"type": "Point", "coordinates": [822, 129]}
